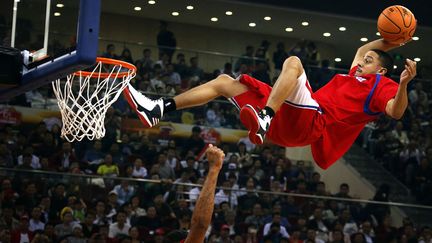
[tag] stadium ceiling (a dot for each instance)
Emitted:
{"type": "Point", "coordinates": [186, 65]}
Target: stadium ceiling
{"type": "Point", "coordinates": [284, 14]}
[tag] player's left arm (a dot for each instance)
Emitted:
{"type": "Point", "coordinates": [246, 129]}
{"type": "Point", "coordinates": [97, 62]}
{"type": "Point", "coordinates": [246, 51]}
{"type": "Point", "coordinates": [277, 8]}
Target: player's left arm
{"type": "Point", "coordinates": [396, 107]}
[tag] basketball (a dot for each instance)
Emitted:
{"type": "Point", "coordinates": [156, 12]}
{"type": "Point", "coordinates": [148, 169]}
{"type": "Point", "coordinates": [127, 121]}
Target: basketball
{"type": "Point", "coordinates": [397, 24]}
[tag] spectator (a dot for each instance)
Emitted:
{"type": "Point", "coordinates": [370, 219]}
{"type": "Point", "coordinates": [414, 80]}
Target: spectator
{"type": "Point", "coordinates": [134, 234]}
{"type": "Point", "coordinates": [146, 62]}
{"type": "Point", "coordinates": [299, 50]}
{"type": "Point", "coordinates": [279, 57]}
{"type": "Point", "coordinates": [226, 195]}
{"type": "Point", "coordinates": [126, 56]}
{"type": "Point", "coordinates": [368, 232]}
{"type": "Point", "coordinates": [165, 170]}
{"type": "Point", "coordinates": [22, 233]}
{"type": "Point", "coordinates": [275, 232]}
{"type": "Point", "coordinates": [195, 72]}
{"type": "Point", "coordinates": [139, 171]}
{"type": "Point", "coordinates": [110, 52]}
{"type": "Point", "coordinates": [151, 221]}
{"type": "Point", "coordinates": [63, 159]}
{"type": "Point", "coordinates": [174, 78]}
{"type": "Point", "coordinates": [136, 209]}
{"type": "Point", "coordinates": [77, 235]}
{"type": "Point", "coordinates": [7, 219]}
{"type": "Point", "coordinates": [108, 168]}
{"type": "Point", "coordinates": [247, 58]}
{"type": "Point", "coordinates": [101, 214]}
{"type": "Point", "coordinates": [261, 53]}
{"type": "Point", "coordinates": [166, 40]}
{"type": "Point", "coordinates": [66, 227]}
{"type": "Point", "coordinates": [228, 70]}
{"type": "Point", "coordinates": [35, 223]}
{"type": "Point", "coordinates": [6, 159]}
{"type": "Point", "coordinates": [120, 227]}
{"type": "Point", "coordinates": [416, 93]}
{"type": "Point", "coordinates": [34, 162]}
{"type": "Point", "coordinates": [322, 76]}
{"type": "Point", "coordinates": [88, 227]}
{"type": "Point", "coordinates": [180, 66]}
{"type": "Point", "coordinates": [124, 192]}
{"type": "Point", "coordinates": [257, 217]}
{"type": "Point", "coordinates": [94, 155]}
{"type": "Point", "coordinates": [312, 237]}
{"type": "Point", "coordinates": [156, 82]}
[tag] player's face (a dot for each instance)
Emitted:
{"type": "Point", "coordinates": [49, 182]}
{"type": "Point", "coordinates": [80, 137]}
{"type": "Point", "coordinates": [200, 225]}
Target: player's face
{"type": "Point", "coordinates": [370, 65]}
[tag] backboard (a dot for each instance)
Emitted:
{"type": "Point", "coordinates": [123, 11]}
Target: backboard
{"type": "Point", "coordinates": [56, 38]}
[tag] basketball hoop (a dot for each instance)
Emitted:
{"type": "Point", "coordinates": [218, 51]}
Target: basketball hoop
{"type": "Point", "coordinates": [85, 97]}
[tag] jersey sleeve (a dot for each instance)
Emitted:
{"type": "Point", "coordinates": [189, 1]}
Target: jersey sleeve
{"type": "Point", "coordinates": [352, 71]}
{"type": "Point", "coordinates": [385, 92]}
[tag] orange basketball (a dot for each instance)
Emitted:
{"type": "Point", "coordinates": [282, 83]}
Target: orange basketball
{"type": "Point", "coordinates": [397, 24]}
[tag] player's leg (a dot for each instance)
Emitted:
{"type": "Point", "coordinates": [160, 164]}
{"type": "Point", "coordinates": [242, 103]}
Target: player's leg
{"type": "Point", "coordinates": [258, 122]}
{"type": "Point", "coordinates": [151, 111]}
{"type": "Point", "coordinates": [286, 83]}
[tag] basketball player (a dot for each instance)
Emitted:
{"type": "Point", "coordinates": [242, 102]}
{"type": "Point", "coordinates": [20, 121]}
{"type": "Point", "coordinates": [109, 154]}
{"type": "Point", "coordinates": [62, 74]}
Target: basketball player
{"type": "Point", "coordinates": [203, 212]}
{"type": "Point", "coordinates": [290, 114]}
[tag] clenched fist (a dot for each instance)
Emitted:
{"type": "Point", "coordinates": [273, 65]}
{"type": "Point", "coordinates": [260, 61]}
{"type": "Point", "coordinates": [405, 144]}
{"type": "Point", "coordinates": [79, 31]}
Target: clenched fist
{"type": "Point", "coordinates": [215, 157]}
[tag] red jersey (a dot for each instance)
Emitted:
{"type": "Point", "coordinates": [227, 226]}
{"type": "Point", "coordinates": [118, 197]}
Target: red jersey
{"type": "Point", "coordinates": [348, 103]}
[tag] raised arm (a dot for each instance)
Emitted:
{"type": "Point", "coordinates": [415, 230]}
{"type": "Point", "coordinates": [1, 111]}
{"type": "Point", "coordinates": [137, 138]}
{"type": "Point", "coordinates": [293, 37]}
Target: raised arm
{"type": "Point", "coordinates": [203, 212]}
{"type": "Point", "coordinates": [379, 44]}
{"type": "Point", "coordinates": [396, 107]}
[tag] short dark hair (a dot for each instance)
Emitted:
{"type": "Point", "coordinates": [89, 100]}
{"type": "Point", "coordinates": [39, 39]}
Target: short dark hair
{"type": "Point", "coordinates": [175, 236]}
{"type": "Point", "coordinates": [386, 61]}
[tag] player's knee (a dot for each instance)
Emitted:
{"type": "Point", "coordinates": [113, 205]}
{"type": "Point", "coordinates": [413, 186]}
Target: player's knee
{"type": "Point", "coordinates": [224, 78]}
{"type": "Point", "coordinates": [293, 62]}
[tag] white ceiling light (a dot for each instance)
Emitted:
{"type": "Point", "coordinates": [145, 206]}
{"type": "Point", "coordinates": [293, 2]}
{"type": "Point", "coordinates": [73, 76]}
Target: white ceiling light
{"type": "Point", "coordinates": [417, 59]}
{"type": "Point", "coordinates": [190, 7]}
{"type": "Point", "coordinates": [338, 59]}
{"type": "Point", "coordinates": [252, 24]}
{"type": "Point", "coordinates": [363, 39]}
{"type": "Point", "coordinates": [378, 33]}
{"type": "Point", "coordinates": [59, 5]}
{"type": "Point", "coordinates": [137, 8]}
{"type": "Point", "coordinates": [57, 14]}
{"type": "Point", "coordinates": [175, 14]}
{"type": "Point", "coordinates": [267, 18]}
{"type": "Point", "coordinates": [304, 23]}
{"type": "Point", "coordinates": [229, 13]}
{"type": "Point", "coordinates": [214, 19]}
{"type": "Point", "coordinates": [342, 28]}
{"type": "Point", "coordinates": [326, 34]}
{"type": "Point", "coordinates": [289, 29]}
{"type": "Point", "coordinates": [416, 38]}
{"type": "Point", "coordinates": [394, 67]}
{"type": "Point", "coordinates": [151, 2]}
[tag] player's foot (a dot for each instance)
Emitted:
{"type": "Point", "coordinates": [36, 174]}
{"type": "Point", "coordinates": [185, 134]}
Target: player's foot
{"type": "Point", "coordinates": [149, 111]}
{"type": "Point", "coordinates": [256, 122]}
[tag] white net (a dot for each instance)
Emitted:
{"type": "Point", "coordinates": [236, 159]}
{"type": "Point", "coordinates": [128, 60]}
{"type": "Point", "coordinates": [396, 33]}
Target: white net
{"type": "Point", "coordinates": [84, 100]}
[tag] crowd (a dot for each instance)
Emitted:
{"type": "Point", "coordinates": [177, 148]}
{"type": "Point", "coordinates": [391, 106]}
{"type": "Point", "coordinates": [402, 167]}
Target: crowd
{"type": "Point", "coordinates": [404, 147]}
{"type": "Point", "coordinates": [51, 208]}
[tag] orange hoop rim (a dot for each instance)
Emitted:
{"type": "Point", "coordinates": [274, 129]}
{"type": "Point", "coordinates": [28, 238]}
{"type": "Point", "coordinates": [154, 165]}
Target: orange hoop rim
{"type": "Point", "coordinates": [109, 61]}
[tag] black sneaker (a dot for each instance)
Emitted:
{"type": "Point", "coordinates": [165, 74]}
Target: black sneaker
{"type": "Point", "coordinates": [257, 123]}
{"type": "Point", "coordinates": [149, 111]}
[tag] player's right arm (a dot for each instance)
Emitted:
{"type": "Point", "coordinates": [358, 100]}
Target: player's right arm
{"type": "Point", "coordinates": [203, 212]}
{"type": "Point", "coordinates": [379, 44]}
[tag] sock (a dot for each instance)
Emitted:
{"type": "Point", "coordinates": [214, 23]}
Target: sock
{"type": "Point", "coordinates": [268, 111]}
{"type": "Point", "coordinates": [169, 105]}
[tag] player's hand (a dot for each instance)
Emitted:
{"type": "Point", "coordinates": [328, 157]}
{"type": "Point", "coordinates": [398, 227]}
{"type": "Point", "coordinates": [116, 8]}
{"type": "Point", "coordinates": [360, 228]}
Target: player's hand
{"type": "Point", "coordinates": [215, 157]}
{"type": "Point", "coordinates": [409, 73]}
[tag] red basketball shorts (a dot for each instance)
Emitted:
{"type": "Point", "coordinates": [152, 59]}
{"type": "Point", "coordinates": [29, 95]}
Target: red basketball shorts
{"type": "Point", "coordinates": [298, 122]}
